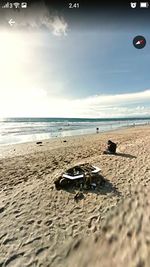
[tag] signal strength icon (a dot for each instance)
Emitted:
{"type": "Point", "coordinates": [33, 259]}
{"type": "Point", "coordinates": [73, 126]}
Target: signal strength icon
{"type": "Point", "coordinates": [16, 5]}
{"type": "Point", "coordinates": [6, 5]}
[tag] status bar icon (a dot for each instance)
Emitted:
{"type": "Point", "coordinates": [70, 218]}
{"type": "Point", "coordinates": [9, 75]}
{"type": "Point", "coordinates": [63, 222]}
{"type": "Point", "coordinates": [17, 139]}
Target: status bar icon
{"type": "Point", "coordinates": [6, 5]}
{"type": "Point", "coordinates": [16, 5]}
{"type": "Point", "coordinates": [133, 4]}
{"type": "Point", "coordinates": [144, 4]}
{"type": "Point", "coordinates": [24, 5]}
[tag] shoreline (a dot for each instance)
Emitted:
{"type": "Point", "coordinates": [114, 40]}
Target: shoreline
{"type": "Point", "coordinates": [88, 131]}
{"type": "Point", "coordinates": [76, 135]}
{"type": "Point", "coordinates": [26, 148]}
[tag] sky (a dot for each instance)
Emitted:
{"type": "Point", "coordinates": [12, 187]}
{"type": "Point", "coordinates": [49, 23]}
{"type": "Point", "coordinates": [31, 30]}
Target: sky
{"type": "Point", "coordinates": [53, 66]}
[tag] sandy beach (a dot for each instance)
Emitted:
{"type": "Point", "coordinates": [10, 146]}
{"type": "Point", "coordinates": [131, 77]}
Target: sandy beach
{"type": "Point", "coordinates": [41, 226]}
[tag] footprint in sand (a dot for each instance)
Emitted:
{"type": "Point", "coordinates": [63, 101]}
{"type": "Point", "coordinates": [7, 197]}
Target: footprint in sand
{"type": "Point", "coordinates": [13, 258]}
{"type": "Point", "coordinates": [32, 240]}
{"type": "Point", "coordinates": [2, 208]}
{"type": "Point", "coordinates": [40, 250]}
{"type": "Point", "coordinates": [48, 222]}
{"type": "Point", "coordinates": [9, 240]}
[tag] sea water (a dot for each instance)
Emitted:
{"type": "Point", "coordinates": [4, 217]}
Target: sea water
{"type": "Point", "coordinates": [19, 130]}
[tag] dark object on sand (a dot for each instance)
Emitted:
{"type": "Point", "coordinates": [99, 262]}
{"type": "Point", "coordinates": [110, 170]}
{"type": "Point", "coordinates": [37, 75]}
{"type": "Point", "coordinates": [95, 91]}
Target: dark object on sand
{"type": "Point", "coordinates": [81, 176]}
{"type": "Point", "coordinates": [64, 141]}
{"type": "Point", "coordinates": [97, 130]}
{"type": "Point", "coordinates": [38, 143]}
{"type": "Point", "coordinates": [78, 196]}
{"type": "Point", "coordinates": [111, 148]}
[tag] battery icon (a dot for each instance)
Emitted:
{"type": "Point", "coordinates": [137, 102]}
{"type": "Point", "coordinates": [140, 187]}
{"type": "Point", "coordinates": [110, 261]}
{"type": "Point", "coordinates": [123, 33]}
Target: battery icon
{"type": "Point", "coordinates": [144, 4]}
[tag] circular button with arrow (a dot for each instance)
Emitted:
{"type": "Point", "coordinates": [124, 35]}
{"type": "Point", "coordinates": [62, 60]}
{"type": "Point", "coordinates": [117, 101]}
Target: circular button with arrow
{"type": "Point", "coordinates": [139, 42]}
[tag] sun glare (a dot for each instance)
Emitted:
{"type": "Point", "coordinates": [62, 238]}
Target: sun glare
{"type": "Point", "coordinates": [15, 57]}
{"type": "Point", "coordinates": [12, 51]}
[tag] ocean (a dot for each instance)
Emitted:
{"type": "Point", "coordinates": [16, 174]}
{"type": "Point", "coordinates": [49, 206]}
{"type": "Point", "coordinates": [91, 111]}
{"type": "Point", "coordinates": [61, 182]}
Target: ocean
{"type": "Point", "coordinates": [20, 130]}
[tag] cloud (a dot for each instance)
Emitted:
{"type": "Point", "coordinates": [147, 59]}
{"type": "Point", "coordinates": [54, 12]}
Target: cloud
{"type": "Point", "coordinates": [56, 24]}
{"type": "Point", "coordinates": [119, 105]}
{"type": "Point", "coordinates": [59, 26]}
{"type": "Point", "coordinates": [39, 102]}
{"type": "Point", "coordinates": [104, 106]}
{"type": "Point", "coordinates": [118, 99]}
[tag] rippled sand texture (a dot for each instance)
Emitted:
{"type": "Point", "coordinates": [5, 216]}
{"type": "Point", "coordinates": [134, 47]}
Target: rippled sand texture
{"type": "Point", "coordinates": [40, 226]}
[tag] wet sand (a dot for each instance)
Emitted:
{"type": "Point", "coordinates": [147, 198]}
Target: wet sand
{"type": "Point", "coordinates": [41, 226]}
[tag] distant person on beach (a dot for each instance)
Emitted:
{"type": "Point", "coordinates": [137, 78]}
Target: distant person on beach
{"type": "Point", "coordinates": [97, 130]}
{"type": "Point", "coordinates": [111, 148]}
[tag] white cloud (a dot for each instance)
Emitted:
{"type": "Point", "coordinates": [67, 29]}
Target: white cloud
{"type": "Point", "coordinates": [39, 104]}
{"type": "Point", "coordinates": [118, 98]}
{"type": "Point", "coordinates": [119, 105]}
{"type": "Point", "coordinates": [59, 26]}
{"type": "Point", "coordinates": [56, 24]}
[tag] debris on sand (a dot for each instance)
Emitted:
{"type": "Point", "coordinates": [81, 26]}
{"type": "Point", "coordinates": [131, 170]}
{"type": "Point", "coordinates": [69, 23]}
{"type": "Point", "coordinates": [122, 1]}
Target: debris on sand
{"type": "Point", "coordinates": [78, 196]}
{"type": "Point", "coordinates": [83, 176]}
